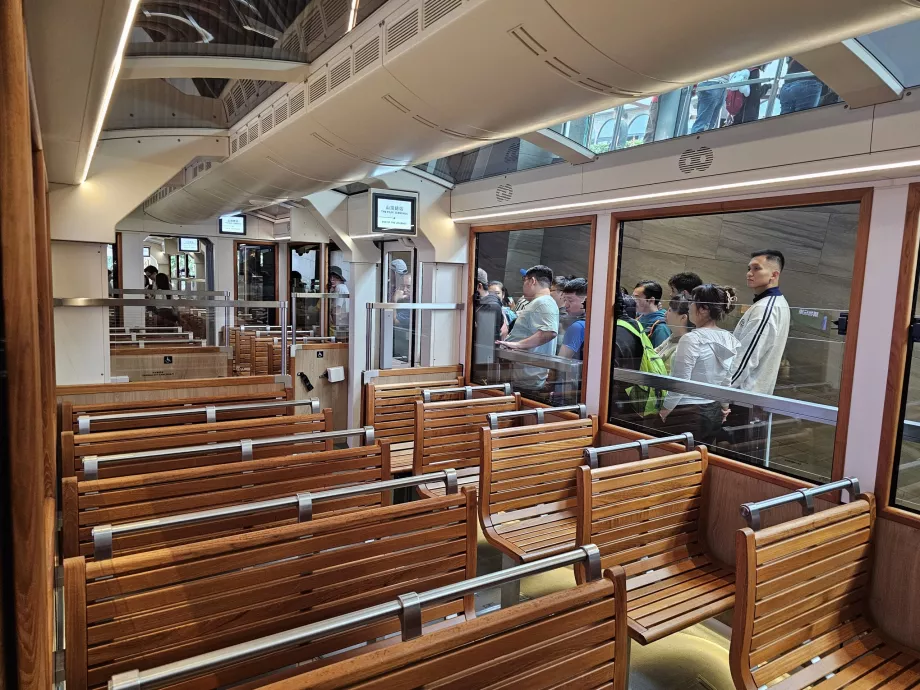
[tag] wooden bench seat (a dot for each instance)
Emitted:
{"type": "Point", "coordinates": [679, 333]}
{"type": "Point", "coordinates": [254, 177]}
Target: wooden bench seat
{"type": "Point", "coordinates": [145, 610]}
{"type": "Point", "coordinates": [570, 640]}
{"type": "Point", "coordinates": [390, 409]}
{"type": "Point", "coordinates": [528, 481]}
{"type": "Point", "coordinates": [88, 504]}
{"type": "Point", "coordinates": [71, 414]}
{"type": "Point", "coordinates": [74, 448]}
{"type": "Point", "coordinates": [802, 619]}
{"type": "Point", "coordinates": [447, 437]}
{"type": "Point", "coordinates": [650, 517]}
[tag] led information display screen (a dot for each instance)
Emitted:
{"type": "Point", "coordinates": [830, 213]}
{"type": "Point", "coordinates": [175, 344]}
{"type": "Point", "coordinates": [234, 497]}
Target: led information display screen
{"type": "Point", "coordinates": [188, 244]}
{"type": "Point", "coordinates": [394, 214]}
{"type": "Point", "coordinates": [233, 225]}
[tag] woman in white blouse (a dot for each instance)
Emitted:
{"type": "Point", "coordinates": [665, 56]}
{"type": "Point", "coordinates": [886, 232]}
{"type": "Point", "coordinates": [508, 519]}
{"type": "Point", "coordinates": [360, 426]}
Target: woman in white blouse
{"type": "Point", "coordinates": [706, 355]}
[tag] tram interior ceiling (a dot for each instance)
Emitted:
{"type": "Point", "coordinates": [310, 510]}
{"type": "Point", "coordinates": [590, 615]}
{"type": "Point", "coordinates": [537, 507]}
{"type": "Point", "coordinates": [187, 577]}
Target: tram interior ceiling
{"type": "Point", "coordinates": [615, 389]}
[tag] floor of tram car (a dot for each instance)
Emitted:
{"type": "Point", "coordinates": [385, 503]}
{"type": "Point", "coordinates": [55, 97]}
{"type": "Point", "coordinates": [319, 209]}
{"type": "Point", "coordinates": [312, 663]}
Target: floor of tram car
{"type": "Point", "coordinates": [694, 659]}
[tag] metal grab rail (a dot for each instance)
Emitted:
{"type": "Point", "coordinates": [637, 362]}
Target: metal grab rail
{"type": "Point", "coordinates": [751, 511]}
{"type": "Point", "coordinates": [84, 421]}
{"type": "Point", "coordinates": [143, 344]}
{"type": "Point", "coordinates": [540, 413]}
{"type": "Point", "coordinates": [467, 390]}
{"type": "Point", "coordinates": [408, 306]}
{"type": "Point", "coordinates": [643, 444]}
{"type": "Point", "coordinates": [206, 303]}
{"type": "Point", "coordinates": [115, 292]}
{"type": "Point", "coordinates": [91, 462]}
{"type": "Point", "coordinates": [816, 412]}
{"type": "Point", "coordinates": [407, 607]}
{"type": "Point", "coordinates": [304, 500]}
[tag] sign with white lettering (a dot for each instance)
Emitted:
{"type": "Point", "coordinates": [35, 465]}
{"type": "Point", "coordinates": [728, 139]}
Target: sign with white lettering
{"type": "Point", "coordinates": [232, 225]}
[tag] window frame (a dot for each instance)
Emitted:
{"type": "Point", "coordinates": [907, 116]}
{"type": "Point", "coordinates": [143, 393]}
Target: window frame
{"type": "Point", "coordinates": [471, 286]}
{"type": "Point", "coordinates": [276, 317]}
{"type": "Point", "coordinates": [861, 195]}
{"type": "Point", "coordinates": [897, 380]}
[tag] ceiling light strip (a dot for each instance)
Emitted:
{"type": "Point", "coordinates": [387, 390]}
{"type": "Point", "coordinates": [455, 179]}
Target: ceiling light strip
{"type": "Point", "coordinates": [352, 15]}
{"type": "Point", "coordinates": [109, 87]}
{"type": "Point", "coordinates": [843, 172]}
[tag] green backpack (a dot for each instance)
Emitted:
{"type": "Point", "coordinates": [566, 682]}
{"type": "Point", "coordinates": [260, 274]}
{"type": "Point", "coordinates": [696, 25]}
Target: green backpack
{"type": "Point", "coordinates": [646, 400]}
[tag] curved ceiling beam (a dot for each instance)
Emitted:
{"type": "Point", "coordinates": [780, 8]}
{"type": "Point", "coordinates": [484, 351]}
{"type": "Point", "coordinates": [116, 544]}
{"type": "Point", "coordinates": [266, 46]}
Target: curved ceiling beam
{"type": "Point", "coordinates": [201, 66]}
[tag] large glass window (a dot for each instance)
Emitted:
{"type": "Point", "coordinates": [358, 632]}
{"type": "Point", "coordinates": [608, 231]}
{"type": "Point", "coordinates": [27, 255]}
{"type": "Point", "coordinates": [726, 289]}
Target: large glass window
{"type": "Point", "coordinates": [256, 280]}
{"type": "Point", "coordinates": [529, 321]}
{"type": "Point", "coordinates": [751, 362]}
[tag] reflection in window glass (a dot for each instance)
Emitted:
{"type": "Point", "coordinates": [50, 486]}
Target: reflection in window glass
{"type": "Point", "coordinates": [338, 308]}
{"type": "Point", "coordinates": [766, 330]}
{"type": "Point", "coordinates": [256, 266]}
{"type": "Point", "coordinates": [896, 48]}
{"type": "Point", "coordinates": [906, 479]}
{"type": "Point", "coordinates": [536, 317]}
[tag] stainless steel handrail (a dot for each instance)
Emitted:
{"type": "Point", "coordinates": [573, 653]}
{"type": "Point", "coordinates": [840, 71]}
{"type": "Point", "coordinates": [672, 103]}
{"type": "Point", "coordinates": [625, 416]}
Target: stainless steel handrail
{"type": "Point", "coordinates": [148, 291]}
{"type": "Point", "coordinates": [591, 454]}
{"type": "Point", "coordinates": [304, 500]}
{"type": "Point", "coordinates": [751, 511]}
{"type": "Point", "coordinates": [143, 344]}
{"type": "Point", "coordinates": [539, 412]}
{"type": "Point", "coordinates": [319, 295]}
{"type": "Point", "coordinates": [91, 462]}
{"type": "Point", "coordinates": [407, 607]}
{"type": "Point", "coordinates": [570, 367]}
{"type": "Point", "coordinates": [467, 390]}
{"type": "Point", "coordinates": [824, 414]}
{"type": "Point", "coordinates": [116, 302]}
{"type": "Point", "coordinates": [85, 421]}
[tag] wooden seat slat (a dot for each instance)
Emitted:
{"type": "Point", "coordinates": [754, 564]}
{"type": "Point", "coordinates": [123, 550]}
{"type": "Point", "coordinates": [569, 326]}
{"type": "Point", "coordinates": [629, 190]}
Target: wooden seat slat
{"type": "Point", "coordinates": [447, 434]}
{"type": "Point", "coordinates": [570, 639]}
{"type": "Point", "coordinates": [528, 481]}
{"type": "Point", "coordinates": [802, 618]}
{"type": "Point", "coordinates": [155, 607]}
{"type": "Point", "coordinates": [649, 517]}
{"type": "Point", "coordinates": [159, 494]}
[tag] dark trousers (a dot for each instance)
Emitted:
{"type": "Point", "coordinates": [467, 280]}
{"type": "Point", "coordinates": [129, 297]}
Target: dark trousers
{"type": "Point", "coordinates": [703, 421]}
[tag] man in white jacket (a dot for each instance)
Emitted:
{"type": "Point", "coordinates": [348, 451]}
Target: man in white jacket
{"type": "Point", "coordinates": [764, 328]}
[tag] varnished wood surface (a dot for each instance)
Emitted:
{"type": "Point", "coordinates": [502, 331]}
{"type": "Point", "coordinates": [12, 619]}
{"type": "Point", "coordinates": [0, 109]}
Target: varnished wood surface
{"type": "Point", "coordinates": [897, 357]}
{"type": "Point", "coordinates": [63, 392]}
{"type": "Point", "coordinates": [45, 318]}
{"type": "Point", "coordinates": [574, 639]}
{"type": "Point", "coordinates": [87, 504]}
{"type": "Point", "coordinates": [895, 600]}
{"type": "Point", "coordinates": [170, 604]}
{"type": "Point", "coordinates": [26, 488]}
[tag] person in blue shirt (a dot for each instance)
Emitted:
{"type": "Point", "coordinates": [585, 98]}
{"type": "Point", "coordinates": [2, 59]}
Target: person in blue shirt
{"type": "Point", "coordinates": [651, 316]}
{"type": "Point", "coordinates": [574, 296]}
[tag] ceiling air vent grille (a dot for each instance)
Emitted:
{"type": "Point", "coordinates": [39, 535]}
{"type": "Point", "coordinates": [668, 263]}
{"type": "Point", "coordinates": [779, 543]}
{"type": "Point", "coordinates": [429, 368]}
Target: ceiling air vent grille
{"type": "Point", "coordinates": [228, 105]}
{"type": "Point", "coordinates": [239, 100]}
{"type": "Point", "coordinates": [233, 145]}
{"type": "Point", "coordinates": [312, 28]}
{"type": "Point", "coordinates": [367, 54]}
{"type": "Point", "coordinates": [512, 152]}
{"type": "Point", "coordinates": [396, 104]}
{"type": "Point", "coordinates": [292, 43]}
{"type": "Point", "coordinates": [438, 9]}
{"type": "Point", "coordinates": [461, 135]}
{"type": "Point", "coordinates": [695, 160]}
{"type": "Point", "coordinates": [244, 138]}
{"type": "Point", "coordinates": [249, 88]}
{"type": "Point", "coordinates": [281, 112]}
{"type": "Point", "coordinates": [339, 74]}
{"type": "Point", "coordinates": [427, 123]}
{"type": "Point", "coordinates": [324, 140]}
{"type": "Point", "coordinates": [401, 31]}
{"type": "Point", "coordinates": [318, 89]}
{"type": "Point", "coordinates": [268, 121]}
{"type": "Point", "coordinates": [504, 192]}
{"type": "Point", "coordinates": [334, 10]}
{"type": "Point", "coordinates": [253, 131]}
{"type": "Point", "coordinates": [297, 102]}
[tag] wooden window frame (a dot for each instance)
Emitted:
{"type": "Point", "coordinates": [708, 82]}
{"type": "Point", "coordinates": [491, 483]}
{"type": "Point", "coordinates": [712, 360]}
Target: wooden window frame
{"type": "Point", "coordinates": [863, 196]}
{"type": "Point", "coordinates": [471, 285]}
{"type": "Point", "coordinates": [895, 387]}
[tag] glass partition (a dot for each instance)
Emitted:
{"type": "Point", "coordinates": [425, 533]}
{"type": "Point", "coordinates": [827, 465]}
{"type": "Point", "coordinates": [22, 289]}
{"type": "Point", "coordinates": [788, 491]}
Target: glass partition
{"type": "Point", "coordinates": [256, 280]}
{"type": "Point", "coordinates": [529, 320]}
{"type": "Point", "coordinates": [751, 361]}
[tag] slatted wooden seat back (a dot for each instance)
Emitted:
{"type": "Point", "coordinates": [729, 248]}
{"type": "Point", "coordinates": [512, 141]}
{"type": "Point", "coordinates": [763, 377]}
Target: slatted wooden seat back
{"type": "Point", "coordinates": [76, 447]}
{"type": "Point", "coordinates": [157, 607]}
{"type": "Point", "coordinates": [447, 437]}
{"type": "Point", "coordinates": [528, 485]}
{"type": "Point", "coordinates": [650, 517]}
{"type": "Point", "coordinates": [390, 409]}
{"type": "Point", "coordinates": [87, 504]}
{"type": "Point", "coordinates": [72, 413]}
{"type": "Point", "coordinates": [261, 359]}
{"type": "Point", "coordinates": [803, 606]}
{"type": "Point", "coordinates": [570, 640]}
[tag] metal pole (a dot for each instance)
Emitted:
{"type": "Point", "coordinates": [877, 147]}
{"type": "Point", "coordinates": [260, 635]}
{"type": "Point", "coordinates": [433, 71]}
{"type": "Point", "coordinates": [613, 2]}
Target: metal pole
{"type": "Point", "coordinates": [285, 352]}
{"type": "Point", "coordinates": [369, 336]}
{"type": "Point", "coordinates": [766, 459]}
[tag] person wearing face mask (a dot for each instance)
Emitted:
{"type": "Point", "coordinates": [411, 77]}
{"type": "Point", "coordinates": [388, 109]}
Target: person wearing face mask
{"type": "Point", "coordinates": [678, 319]}
{"type": "Point", "coordinates": [706, 354]}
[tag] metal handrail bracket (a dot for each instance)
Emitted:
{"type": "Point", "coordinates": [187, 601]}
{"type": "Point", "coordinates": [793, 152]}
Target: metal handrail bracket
{"type": "Point", "coordinates": [592, 455]}
{"type": "Point", "coordinates": [539, 412]}
{"type": "Point", "coordinates": [466, 390]}
{"type": "Point", "coordinates": [751, 512]}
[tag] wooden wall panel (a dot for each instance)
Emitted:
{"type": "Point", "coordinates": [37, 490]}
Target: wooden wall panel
{"type": "Point", "coordinates": [26, 485]}
{"type": "Point", "coordinates": [45, 317]}
{"type": "Point", "coordinates": [895, 597]}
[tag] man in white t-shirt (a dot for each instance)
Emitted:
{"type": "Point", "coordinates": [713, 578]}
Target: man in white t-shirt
{"type": "Point", "coordinates": [339, 307]}
{"type": "Point", "coordinates": [535, 328]}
